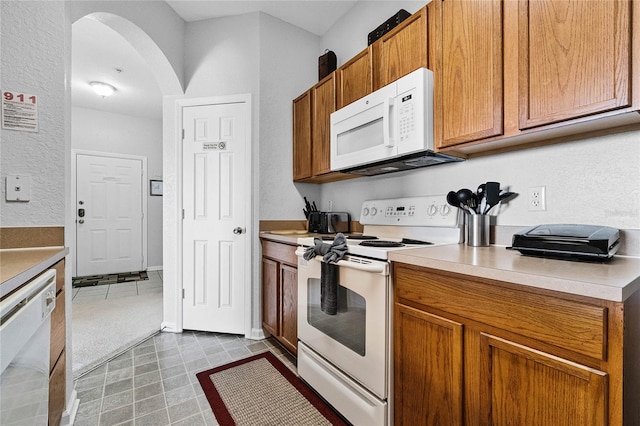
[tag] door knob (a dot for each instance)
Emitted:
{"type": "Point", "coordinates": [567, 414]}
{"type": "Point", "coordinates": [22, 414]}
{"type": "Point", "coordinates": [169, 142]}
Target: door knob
{"type": "Point", "coordinates": [238, 230]}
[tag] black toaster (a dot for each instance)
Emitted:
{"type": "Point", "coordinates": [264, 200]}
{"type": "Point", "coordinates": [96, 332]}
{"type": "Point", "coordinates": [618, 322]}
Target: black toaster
{"type": "Point", "coordinates": [329, 222]}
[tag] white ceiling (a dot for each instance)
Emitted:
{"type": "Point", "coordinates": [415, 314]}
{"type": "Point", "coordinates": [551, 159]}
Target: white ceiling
{"type": "Point", "coordinates": [312, 15]}
{"type": "Point", "coordinates": [98, 51]}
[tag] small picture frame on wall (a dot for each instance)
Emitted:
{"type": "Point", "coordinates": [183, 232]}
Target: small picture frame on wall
{"type": "Point", "coordinates": [155, 187]}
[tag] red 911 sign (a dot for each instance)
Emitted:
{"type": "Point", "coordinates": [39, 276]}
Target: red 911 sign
{"type": "Point", "coordinates": [19, 111]}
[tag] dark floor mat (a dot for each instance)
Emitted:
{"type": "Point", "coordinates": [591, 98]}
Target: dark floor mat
{"type": "Point", "coordinates": [123, 277]}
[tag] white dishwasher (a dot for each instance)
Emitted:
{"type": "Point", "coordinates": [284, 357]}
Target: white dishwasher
{"type": "Point", "coordinates": [25, 334]}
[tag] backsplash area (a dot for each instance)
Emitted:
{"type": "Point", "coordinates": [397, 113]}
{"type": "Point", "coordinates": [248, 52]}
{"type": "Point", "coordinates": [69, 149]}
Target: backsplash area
{"type": "Point", "coordinates": [590, 181]}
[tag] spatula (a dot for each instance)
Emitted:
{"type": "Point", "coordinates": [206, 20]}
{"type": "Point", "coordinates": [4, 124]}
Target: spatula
{"type": "Point", "coordinates": [492, 195]}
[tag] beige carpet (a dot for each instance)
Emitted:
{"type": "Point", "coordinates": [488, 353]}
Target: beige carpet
{"type": "Point", "coordinates": [105, 328]}
{"type": "Point", "coordinates": [260, 390]}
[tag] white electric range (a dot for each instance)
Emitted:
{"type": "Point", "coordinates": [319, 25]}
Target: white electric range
{"type": "Point", "coordinates": [347, 356]}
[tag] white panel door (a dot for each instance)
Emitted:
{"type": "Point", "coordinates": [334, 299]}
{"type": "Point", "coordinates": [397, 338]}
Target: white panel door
{"type": "Point", "coordinates": [214, 202]}
{"type": "Point", "coordinates": [108, 215]}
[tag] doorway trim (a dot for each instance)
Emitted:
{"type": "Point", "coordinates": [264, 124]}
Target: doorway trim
{"type": "Point", "coordinates": [74, 200]}
{"type": "Point", "coordinates": [174, 298]}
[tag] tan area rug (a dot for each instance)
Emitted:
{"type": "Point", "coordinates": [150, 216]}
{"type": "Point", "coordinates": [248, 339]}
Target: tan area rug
{"type": "Point", "coordinates": [260, 390]}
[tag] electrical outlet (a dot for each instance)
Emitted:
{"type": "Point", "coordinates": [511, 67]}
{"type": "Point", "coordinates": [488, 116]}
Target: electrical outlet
{"type": "Point", "coordinates": [536, 199]}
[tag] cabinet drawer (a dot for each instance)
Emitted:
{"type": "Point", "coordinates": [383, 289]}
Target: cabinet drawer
{"type": "Point", "coordinates": [281, 252]}
{"type": "Point", "coordinates": [571, 325]}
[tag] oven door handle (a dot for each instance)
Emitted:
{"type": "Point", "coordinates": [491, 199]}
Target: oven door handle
{"type": "Point", "coordinates": [375, 267]}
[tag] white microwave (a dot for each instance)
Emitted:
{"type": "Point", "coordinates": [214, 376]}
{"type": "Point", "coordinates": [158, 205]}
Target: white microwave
{"type": "Point", "coordinates": [388, 130]}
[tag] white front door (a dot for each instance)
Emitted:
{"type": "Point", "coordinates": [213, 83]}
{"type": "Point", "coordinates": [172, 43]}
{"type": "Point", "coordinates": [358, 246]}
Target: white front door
{"type": "Point", "coordinates": [108, 215]}
{"type": "Point", "coordinates": [215, 266]}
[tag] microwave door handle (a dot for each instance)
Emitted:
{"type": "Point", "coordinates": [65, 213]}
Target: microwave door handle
{"type": "Point", "coordinates": [389, 142]}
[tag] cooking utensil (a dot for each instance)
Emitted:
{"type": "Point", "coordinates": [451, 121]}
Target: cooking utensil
{"type": "Point", "coordinates": [480, 193]}
{"type": "Point", "coordinates": [507, 196]}
{"type": "Point", "coordinates": [464, 197]}
{"type": "Point", "coordinates": [492, 195]}
{"type": "Point", "coordinates": [453, 199]}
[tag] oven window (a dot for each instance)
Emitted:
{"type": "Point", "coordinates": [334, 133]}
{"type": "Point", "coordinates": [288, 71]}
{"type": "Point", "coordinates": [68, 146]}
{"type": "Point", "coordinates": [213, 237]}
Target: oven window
{"type": "Point", "coordinates": [348, 326]}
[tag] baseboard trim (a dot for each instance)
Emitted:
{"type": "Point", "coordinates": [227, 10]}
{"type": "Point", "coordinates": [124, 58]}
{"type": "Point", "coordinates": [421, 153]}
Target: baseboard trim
{"type": "Point", "coordinates": [256, 334]}
{"type": "Point", "coordinates": [69, 415]}
{"type": "Point", "coordinates": [169, 327]}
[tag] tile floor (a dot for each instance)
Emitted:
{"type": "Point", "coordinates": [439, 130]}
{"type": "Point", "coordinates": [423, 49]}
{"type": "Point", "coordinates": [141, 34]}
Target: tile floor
{"type": "Point", "coordinates": [154, 383]}
{"type": "Point", "coordinates": [118, 290]}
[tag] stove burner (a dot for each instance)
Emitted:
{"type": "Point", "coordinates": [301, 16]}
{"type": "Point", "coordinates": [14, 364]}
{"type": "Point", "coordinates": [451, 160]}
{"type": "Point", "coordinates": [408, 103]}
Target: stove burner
{"type": "Point", "coordinates": [416, 242]}
{"type": "Point", "coordinates": [385, 244]}
{"type": "Point", "coordinates": [361, 237]}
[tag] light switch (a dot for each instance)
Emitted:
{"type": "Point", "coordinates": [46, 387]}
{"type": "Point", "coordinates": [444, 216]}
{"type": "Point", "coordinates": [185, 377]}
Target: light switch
{"type": "Point", "coordinates": [18, 188]}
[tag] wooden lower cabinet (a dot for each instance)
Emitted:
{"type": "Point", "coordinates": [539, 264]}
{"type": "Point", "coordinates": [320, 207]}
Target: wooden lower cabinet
{"type": "Point", "coordinates": [280, 293]}
{"type": "Point", "coordinates": [471, 351]}
{"type": "Point", "coordinates": [57, 358]}
{"type": "Point", "coordinates": [57, 388]}
{"type": "Point", "coordinates": [522, 386]}
{"type": "Point", "coordinates": [428, 369]}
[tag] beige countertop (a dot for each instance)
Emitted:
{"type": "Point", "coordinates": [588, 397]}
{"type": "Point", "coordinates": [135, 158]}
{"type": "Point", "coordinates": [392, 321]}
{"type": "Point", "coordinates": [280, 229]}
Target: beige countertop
{"type": "Point", "coordinates": [286, 237]}
{"type": "Point", "coordinates": [615, 280]}
{"type": "Point", "coordinates": [17, 266]}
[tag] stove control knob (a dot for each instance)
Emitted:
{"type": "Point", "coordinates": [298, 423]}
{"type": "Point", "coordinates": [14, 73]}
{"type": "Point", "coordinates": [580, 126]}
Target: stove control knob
{"type": "Point", "coordinates": [374, 211]}
{"type": "Point", "coordinates": [445, 210]}
{"type": "Point", "coordinates": [432, 210]}
{"type": "Point", "coordinates": [365, 211]}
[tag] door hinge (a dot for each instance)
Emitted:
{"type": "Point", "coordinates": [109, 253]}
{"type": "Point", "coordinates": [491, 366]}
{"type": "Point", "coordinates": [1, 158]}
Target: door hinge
{"type": "Point", "coordinates": [182, 214]}
{"type": "Point", "coordinates": [182, 134]}
{"type": "Point", "coordinates": [183, 293]}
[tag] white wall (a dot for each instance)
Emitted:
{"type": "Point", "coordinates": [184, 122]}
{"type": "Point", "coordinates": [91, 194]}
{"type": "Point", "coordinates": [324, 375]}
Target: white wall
{"type": "Point", "coordinates": [288, 67]}
{"type": "Point", "coordinates": [593, 181]}
{"type": "Point", "coordinates": [34, 65]}
{"type": "Point", "coordinates": [100, 131]}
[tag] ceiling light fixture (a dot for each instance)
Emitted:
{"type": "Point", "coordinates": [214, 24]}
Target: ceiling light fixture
{"type": "Point", "coordinates": [102, 89]}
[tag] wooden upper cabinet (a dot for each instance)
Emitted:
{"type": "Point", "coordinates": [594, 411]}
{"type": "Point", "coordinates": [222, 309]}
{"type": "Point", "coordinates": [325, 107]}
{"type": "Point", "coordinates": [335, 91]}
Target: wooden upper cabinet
{"type": "Point", "coordinates": [522, 386]}
{"type": "Point", "coordinates": [468, 74]}
{"type": "Point", "coordinates": [324, 103]}
{"type": "Point", "coordinates": [302, 136]}
{"type": "Point", "coordinates": [574, 59]}
{"type": "Point", "coordinates": [355, 78]}
{"type": "Point", "coordinates": [402, 50]}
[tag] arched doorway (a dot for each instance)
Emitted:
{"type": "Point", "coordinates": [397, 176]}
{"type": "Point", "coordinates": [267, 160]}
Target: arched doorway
{"type": "Point", "coordinates": [125, 128]}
